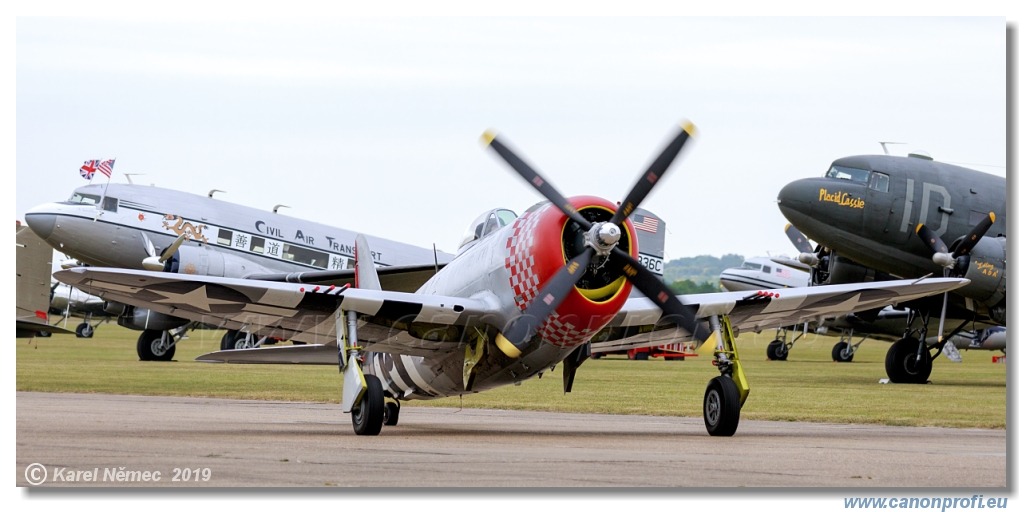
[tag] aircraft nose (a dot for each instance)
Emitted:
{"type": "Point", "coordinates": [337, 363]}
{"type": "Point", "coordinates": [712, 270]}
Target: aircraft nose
{"type": "Point", "coordinates": [41, 221]}
{"type": "Point", "coordinates": [797, 197]}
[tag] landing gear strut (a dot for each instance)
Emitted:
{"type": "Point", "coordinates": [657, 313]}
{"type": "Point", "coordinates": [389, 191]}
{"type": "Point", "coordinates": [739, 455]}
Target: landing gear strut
{"type": "Point", "coordinates": [154, 345]}
{"type": "Point", "coordinates": [778, 350]}
{"type": "Point", "coordinates": [843, 351]}
{"type": "Point", "coordinates": [909, 360]}
{"type": "Point", "coordinates": [725, 394]}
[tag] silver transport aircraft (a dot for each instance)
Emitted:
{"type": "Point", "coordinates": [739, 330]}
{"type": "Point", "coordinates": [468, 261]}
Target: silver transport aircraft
{"type": "Point", "coordinates": [523, 295]}
{"type": "Point", "coordinates": [146, 227]}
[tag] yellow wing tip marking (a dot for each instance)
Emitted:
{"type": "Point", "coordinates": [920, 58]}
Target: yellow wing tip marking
{"type": "Point", "coordinates": [507, 347]}
{"type": "Point", "coordinates": [488, 137]}
{"type": "Point", "coordinates": [918, 228]}
{"type": "Point", "coordinates": [992, 216]}
{"type": "Point", "coordinates": [689, 128]}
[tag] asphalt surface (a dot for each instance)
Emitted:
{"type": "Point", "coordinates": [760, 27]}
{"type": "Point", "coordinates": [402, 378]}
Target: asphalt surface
{"type": "Point", "coordinates": [123, 441]}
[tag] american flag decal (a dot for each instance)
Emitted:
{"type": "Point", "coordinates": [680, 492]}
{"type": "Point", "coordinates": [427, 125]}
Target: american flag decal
{"type": "Point", "coordinates": [644, 223]}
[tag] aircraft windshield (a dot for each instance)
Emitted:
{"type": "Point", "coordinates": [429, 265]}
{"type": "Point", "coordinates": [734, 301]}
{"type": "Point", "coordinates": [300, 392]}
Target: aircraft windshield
{"type": "Point", "coordinates": [78, 198]}
{"type": "Point", "coordinates": [485, 224]}
{"type": "Point", "coordinates": [840, 172]}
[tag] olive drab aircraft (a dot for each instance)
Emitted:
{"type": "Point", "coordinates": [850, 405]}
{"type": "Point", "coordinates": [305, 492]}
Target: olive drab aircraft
{"type": "Point", "coordinates": [146, 227]}
{"type": "Point", "coordinates": [523, 295]}
{"type": "Point", "coordinates": [879, 216]}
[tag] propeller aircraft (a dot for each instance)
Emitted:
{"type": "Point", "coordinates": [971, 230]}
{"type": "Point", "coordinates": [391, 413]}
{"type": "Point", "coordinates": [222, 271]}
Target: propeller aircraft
{"type": "Point", "coordinates": [880, 216]}
{"type": "Point", "coordinates": [523, 295]}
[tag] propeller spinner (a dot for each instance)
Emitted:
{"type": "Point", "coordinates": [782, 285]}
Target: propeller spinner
{"type": "Point", "coordinates": [600, 241]}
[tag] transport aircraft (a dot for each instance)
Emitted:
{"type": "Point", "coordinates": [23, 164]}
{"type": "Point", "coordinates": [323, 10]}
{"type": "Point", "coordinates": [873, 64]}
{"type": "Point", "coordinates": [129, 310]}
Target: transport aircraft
{"type": "Point", "coordinates": [524, 294]}
{"type": "Point", "coordinates": [146, 227]}
{"type": "Point", "coordinates": [879, 216]}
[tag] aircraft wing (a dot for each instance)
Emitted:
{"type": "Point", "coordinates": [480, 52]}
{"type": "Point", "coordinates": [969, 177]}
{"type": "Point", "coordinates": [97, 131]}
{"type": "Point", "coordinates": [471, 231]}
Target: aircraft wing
{"type": "Point", "coordinates": [640, 322]}
{"type": "Point", "coordinates": [399, 278]}
{"type": "Point", "coordinates": [298, 312]}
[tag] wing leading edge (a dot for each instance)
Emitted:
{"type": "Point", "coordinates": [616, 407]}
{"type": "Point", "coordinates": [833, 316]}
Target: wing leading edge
{"type": "Point", "coordinates": [640, 322]}
{"type": "Point", "coordinates": [395, 322]}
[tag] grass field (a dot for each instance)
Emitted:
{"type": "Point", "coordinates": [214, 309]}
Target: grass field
{"type": "Point", "coordinates": [807, 387]}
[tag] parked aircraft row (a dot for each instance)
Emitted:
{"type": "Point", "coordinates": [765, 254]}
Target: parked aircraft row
{"type": "Point", "coordinates": [523, 294]}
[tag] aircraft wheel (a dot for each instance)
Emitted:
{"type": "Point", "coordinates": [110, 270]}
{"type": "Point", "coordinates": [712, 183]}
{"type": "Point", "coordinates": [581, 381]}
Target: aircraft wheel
{"type": "Point", "coordinates": [640, 356]}
{"type": "Point", "coordinates": [391, 410]}
{"type": "Point", "coordinates": [84, 330]}
{"type": "Point", "coordinates": [778, 351]}
{"type": "Point", "coordinates": [44, 334]}
{"type": "Point", "coordinates": [150, 347]}
{"type": "Point", "coordinates": [227, 342]}
{"type": "Point", "coordinates": [721, 406]}
{"type": "Point", "coordinates": [368, 417]}
{"type": "Point", "coordinates": [841, 352]}
{"type": "Point", "coordinates": [901, 365]}
{"type": "Point", "coordinates": [240, 341]}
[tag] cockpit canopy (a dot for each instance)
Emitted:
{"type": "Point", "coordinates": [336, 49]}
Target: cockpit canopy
{"type": "Point", "coordinates": [873, 179]}
{"type": "Point", "coordinates": [487, 223]}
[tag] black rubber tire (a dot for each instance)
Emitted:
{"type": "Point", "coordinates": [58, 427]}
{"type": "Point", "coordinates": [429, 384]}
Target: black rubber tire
{"type": "Point", "coordinates": [84, 330]}
{"type": "Point", "coordinates": [44, 334]}
{"type": "Point", "coordinates": [840, 354]}
{"type": "Point", "coordinates": [144, 347]}
{"type": "Point", "coordinates": [368, 417]}
{"type": "Point", "coordinates": [901, 365]}
{"type": "Point", "coordinates": [777, 350]}
{"type": "Point", "coordinates": [641, 356]}
{"type": "Point", "coordinates": [227, 342]}
{"type": "Point", "coordinates": [721, 407]}
{"type": "Point", "coordinates": [391, 410]}
{"type": "Point", "coordinates": [239, 343]}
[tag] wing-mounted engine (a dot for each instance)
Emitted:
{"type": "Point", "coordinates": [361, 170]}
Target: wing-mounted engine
{"type": "Point", "coordinates": [985, 266]}
{"type": "Point", "coordinates": [203, 260]}
{"type": "Point", "coordinates": [829, 267]}
{"type": "Point", "coordinates": [977, 257]}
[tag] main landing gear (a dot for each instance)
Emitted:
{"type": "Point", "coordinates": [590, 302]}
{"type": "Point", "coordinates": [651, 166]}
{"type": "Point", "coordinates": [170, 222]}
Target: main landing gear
{"type": "Point", "coordinates": [778, 349]}
{"type": "Point", "coordinates": [362, 394]}
{"type": "Point", "coordinates": [154, 345]}
{"type": "Point", "coordinates": [725, 394]}
{"type": "Point", "coordinates": [842, 352]}
{"type": "Point", "coordinates": [909, 360]}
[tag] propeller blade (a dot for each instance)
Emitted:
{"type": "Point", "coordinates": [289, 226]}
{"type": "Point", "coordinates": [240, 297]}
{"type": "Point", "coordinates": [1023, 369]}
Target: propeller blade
{"type": "Point", "coordinates": [655, 289]}
{"type": "Point", "coordinates": [653, 174]}
{"type": "Point", "coordinates": [972, 238]}
{"type": "Point", "coordinates": [798, 239]}
{"type": "Point", "coordinates": [534, 178]}
{"type": "Point", "coordinates": [940, 253]}
{"type": "Point", "coordinates": [522, 328]}
{"type": "Point", "coordinates": [150, 250]}
{"type": "Point", "coordinates": [171, 249]}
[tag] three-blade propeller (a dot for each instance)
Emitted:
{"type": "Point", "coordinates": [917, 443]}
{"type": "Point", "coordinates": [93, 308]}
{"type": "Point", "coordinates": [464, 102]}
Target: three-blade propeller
{"type": "Point", "coordinates": [941, 255]}
{"type": "Point", "coordinates": [602, 238]}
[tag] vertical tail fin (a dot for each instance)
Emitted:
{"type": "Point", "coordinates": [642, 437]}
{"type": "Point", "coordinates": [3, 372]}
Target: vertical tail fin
{"type": "Point", "coordinates": [366, 272]}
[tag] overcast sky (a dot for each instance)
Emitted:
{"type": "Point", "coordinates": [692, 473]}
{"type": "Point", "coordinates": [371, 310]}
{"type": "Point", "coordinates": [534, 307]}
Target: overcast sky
{"type": "Point", "coordinates": [374, 124]}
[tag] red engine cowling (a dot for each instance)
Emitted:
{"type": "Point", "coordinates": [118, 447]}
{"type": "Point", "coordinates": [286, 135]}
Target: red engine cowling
{"type": "Point", "coordinates": [542, 241]}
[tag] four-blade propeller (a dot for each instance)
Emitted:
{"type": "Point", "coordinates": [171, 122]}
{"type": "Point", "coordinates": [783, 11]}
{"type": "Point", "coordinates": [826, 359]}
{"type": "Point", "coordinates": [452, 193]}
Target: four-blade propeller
{"type": "Point", "coordinates": [601, 239]}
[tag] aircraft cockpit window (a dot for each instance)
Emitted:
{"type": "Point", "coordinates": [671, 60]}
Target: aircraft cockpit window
{"type": "Point", "coordinates": [110, 204]}
{"type": "Point", "coordinates": [77, 198]}
{"type": "Point", "coordinates": [751, 266]}
{"type": "Point", "coordinates": [487, 223]}
{"type": "Point", "coordinates": [765, 269]}
{"type": "Point", "coordinates": [879, 182]}
{"type": "Point", "coordinates": [840, 172]}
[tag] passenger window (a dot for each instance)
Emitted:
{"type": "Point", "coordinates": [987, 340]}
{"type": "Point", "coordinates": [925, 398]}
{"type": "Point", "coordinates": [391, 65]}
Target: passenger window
{"type": "Point", "coordinates": [110, 204]}
{"type": "Point", "coordinates": [766, 269]}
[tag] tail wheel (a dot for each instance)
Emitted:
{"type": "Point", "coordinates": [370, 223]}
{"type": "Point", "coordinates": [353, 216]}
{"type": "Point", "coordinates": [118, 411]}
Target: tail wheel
{"type": "Point", "coordinates": [841, 352]}
{"type": "Point", "coordinates": [368, 418]}
{"type": "Point", "coordinates": [902, 366]}
{"type": "Point", "coordinates": [778, 351]}
{"type": "Point", "coordinates": [721, 407]}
